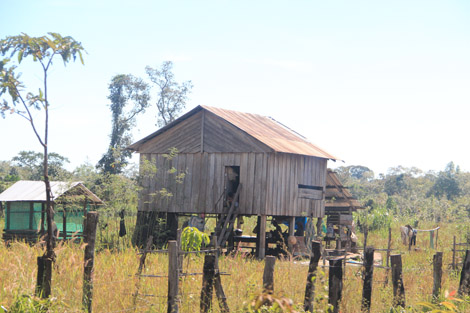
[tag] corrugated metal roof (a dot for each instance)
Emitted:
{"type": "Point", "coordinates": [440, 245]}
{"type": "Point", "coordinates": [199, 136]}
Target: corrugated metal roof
{"type": "Point", "coordinates": [28, 190]}
{"type": "Point", "coordinates": [265, 129]}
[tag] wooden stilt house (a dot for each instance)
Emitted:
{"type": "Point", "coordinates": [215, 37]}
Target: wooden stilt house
{"type": "Point", "coordinates": [25, 209]}
{"type": "Point", "coordinates": [231, 164]}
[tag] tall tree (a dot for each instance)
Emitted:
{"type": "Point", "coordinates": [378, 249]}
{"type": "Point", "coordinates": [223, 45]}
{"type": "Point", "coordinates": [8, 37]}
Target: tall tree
{"type": "Point", "coordinates": [171, 95]}
{"type": "Point", "coordinates": [129, 96]}
{"type": "Point", "coordinates": [43, 50]}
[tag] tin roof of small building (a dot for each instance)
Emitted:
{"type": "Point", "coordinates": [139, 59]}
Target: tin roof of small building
{"type": "Point", "coordinates": [28, 190]}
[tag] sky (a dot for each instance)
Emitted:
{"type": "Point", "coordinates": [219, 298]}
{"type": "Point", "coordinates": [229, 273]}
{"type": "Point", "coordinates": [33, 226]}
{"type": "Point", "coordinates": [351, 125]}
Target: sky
{"type": "Point", "coordinates": [375, 83]}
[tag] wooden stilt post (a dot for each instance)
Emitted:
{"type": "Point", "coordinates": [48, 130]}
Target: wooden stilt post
{"type": "Point", "coordinates": [397, 279]}
{"type": "Point", "coordinates": [368, 274]}
{"type": "Point", "coordinates": [335, 283]}
{"type": "Point", "coordinates": [173, 276]}
{"type": "Point", "coordinates": [437, 274]}
{"type": "Point", "coordinates": [311, 277]}
{"type": "Point", "coordinates": [268, 275]}
{"type": "Point", "coordinates": [90, 235]}
{"type": "Point", "coordinates": [464, 286]}
{"type": "Point", "coordinates": [291, 233]}
{"type": "Point", "coordinates": [262, 237]}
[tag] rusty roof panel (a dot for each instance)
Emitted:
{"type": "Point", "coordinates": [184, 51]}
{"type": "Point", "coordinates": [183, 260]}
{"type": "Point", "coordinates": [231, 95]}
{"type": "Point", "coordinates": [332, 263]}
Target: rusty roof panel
{"type": "Point", "coordinates": [270, 132]}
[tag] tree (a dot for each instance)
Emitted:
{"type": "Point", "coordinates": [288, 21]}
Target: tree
{"type": "Point", "coordinates": [171, 95]}
{"type": "Point", "coordinates": [447, 183]}
{"type": "Point", "coordinates": [129, 96]}
{"type": "Point", "coordinates": [43, 50]}
{"type": "Point", "coordinates": [31, 166]}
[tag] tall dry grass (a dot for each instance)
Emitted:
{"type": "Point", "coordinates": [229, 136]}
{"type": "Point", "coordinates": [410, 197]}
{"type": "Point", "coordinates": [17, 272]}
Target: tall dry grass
{"type": "Point", "coordinates": [115, 283]}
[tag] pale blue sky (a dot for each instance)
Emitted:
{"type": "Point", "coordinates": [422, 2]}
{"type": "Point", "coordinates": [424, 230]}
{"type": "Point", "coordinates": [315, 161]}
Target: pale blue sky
{"type": "Point", "coordinates": [376, 83]}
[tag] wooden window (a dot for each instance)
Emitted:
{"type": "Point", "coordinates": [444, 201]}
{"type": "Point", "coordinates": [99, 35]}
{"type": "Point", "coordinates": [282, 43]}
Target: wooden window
{"type": "Point", "coordinates": [310, 192]}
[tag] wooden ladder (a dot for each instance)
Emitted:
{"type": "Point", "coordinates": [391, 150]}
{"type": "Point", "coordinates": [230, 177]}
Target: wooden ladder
{"type": "Point", "coordinates": [225, 224]}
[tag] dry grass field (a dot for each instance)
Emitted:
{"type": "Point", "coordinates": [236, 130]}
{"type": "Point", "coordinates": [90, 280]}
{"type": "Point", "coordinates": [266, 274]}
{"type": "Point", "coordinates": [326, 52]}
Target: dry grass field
{"type": "Point", "coordinates": [115, 283]}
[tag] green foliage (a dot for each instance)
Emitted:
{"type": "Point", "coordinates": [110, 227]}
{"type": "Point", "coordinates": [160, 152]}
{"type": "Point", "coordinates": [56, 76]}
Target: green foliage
{"type": "Point", "coordinates": [193, 239]}
{"type": "Point", "coordinates": [410, 194]}
{"type": "Point", "coordinates": [30, 165]}
{"type": "Point", "coordinates": [32, 304]}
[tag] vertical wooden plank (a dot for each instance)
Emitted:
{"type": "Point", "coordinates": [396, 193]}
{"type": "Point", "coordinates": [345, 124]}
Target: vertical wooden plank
{"type": "Point", "coordinates": [252, 177]}
{"type": "Point", "coordinates": [173, 278]}
{"type": "Point", "coordinates": [209, 205]}
{"type": "Point", "coordinates": [268, 274]}
{"type": "Point", "coordinates": [188, 181]}
{"type": "Point", "coordinates": [156, 183]}
{"type": "Point", "coordinates": [203, 182]}
{"type": "Point", "coordinates": [269, 185]}
{"type": "Point", "coordinates": [179, 203]}
{"type": "Point", "coordinates": [89, 260]}
{"type": "Point", "coordinates": [195, 188]}
{"type": "Point", "coordinates": [257, 182]}
{"type": "Point", "coordinates": [283, 189]}
{"type": "Point", "coordinates": [264, 184]}
{"type": "Point", "coordinates": [244, 179]}
{"type": "Point", "coordinates": [218, 183]}
{"type": "Point", "coordinates": [278, 184]}
{"type": "Point", "coordinates": [453, 255]}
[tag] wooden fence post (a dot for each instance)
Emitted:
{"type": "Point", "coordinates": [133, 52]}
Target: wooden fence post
{"type": "Point", "coordinates": [437, 274]}
{"type": "Point", "coordinates": [368, 275]}
{"type": "Point", "coordinates": [311, 277]}
{"type": "Point", "coordinates": [173, 276]}
{"type": "Point", "coordinates": [207, 283]}
{"type": "Point", "coordinates": [335, 283]}
{"type": "Point", "coordinates": [464, 286]}
{"type": "Point", "coordinates": [389, 247]}
{"type": "Point", "coordinates": [268, 275]}
{"type": "Point", "coordinates": [40, 276]}
{"type": "Point", "coordinates": [90, 236]}
{"type": "Point", "coordinates": [397, 280]}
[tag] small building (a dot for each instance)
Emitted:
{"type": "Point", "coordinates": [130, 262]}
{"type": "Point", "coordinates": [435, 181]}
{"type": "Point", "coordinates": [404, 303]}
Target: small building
{"type": "Point", "coordinates": [270, 169]}
{"type": "Point", "coordinates": [25, 209]}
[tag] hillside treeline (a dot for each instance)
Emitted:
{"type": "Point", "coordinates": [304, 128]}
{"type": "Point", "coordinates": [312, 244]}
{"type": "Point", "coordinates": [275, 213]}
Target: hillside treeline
{"type": "Point", "coordinates": [411, 195]}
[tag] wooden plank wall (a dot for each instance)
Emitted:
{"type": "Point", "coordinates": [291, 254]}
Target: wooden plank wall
{"type": "Point", "coordinates": [285, 172]}
{"type": "Point", "coordinates": [270, 183]}
{"type": "Point", "coordinates": [204, 182]}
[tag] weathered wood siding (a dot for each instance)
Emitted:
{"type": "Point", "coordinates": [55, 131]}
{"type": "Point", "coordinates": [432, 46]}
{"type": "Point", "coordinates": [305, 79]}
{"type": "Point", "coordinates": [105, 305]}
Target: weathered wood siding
{"type": "Point", "coordinates": [186, 137]}
{"type": "Point", "coordinates": [285, 173]}
{"type": "Point", "coordinates": [269, 183]}
{"type": "Point", "coordinates": [203, 184]}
